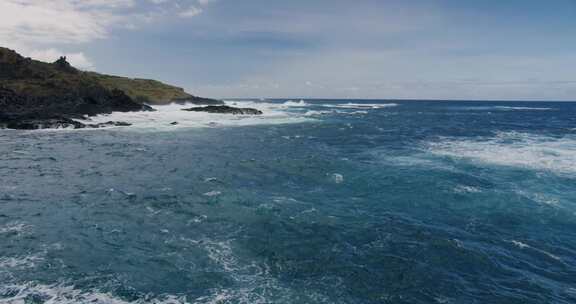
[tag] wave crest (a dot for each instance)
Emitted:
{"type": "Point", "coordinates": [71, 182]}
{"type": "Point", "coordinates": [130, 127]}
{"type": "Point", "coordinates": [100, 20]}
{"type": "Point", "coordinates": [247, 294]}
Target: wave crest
{"type": "Point", "coordinates": [524, 150]}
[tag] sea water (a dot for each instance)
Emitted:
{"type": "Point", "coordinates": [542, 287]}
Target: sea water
{"type": "Point", "coordinates": [316, 201]}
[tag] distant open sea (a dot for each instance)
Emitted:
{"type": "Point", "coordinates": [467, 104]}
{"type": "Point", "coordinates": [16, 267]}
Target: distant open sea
{"type": "Point", "coordinates": [317, 201]}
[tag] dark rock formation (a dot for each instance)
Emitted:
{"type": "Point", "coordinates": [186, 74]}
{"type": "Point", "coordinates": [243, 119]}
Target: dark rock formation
{"type": "Point", "coordinates": [225, 110]}
{"type": "Point", "coordinates": [109, 124]}
{"type": "Point", "coordinates": [198, 101]}
{"type": "Point", "coordinates": [21, 111]}
{"type": "Point", "coordinates": [63, 65]}
{"type": "Point", "coordinates": [36, 122]}
{"type": "Point", "coordinates": [38, 95]}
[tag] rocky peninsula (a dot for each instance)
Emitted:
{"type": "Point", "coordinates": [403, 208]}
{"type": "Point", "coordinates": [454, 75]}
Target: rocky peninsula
{"type": "Point", "coordinates": [39, 95]}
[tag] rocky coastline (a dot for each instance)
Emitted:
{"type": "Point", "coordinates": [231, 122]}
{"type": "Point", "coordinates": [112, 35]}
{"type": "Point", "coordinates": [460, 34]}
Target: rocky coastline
{"type": "Point", "coordinates": [39, 95]}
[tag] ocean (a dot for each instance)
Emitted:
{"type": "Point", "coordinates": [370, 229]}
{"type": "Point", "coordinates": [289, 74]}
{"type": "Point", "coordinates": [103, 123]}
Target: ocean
{"type": "Point", "coordinates": [316, 201]}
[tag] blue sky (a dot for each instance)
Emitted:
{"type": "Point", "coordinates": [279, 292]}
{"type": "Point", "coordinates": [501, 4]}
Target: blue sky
{"type": "Point", "coordinates": [434, 49]}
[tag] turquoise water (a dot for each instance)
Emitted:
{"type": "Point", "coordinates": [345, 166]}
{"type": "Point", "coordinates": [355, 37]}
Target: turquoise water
{"type": "Point", "coordinates": [357, 202]}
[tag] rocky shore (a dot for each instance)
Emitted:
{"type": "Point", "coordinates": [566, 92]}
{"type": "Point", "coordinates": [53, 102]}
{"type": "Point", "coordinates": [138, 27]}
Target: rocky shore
{"type": "Point", "coordinates": [23, 111]}
{"type": "Point", "coordinates": [39, 95]}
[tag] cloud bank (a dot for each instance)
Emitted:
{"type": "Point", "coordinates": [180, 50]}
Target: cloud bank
{"type": "Point", "coordinates": [45, 30]}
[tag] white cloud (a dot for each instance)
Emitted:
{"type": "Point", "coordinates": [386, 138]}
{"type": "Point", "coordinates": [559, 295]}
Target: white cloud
{"type": "Point", "coordinates": [194, 10]}
{"type": "Point", "coordinates": [191, 12]}
{"type": "Point", "coordinates": [50, 22]}
{"type": "Point", "coordinates": [33, 27]}
{"type": "Point", "coordinates": [38, 28]}
{"type": "Point", "coordinates": [205, 2]}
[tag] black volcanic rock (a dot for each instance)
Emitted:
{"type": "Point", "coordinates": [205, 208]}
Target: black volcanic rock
{"type": "Point", "coordinates": [63, 65]}
{"type": "Point", "coordinates": [20, 111]}
{"type": "Point", "coordinates": [197, 101]}
{"type": "Point", "coordinates": [36, 95]}
{"type": "Point", "coordinates": [34, 122]}
{"type": "Point", "coordinates": [225, 110]}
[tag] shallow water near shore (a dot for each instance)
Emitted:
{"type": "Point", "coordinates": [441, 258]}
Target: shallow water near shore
{"type": "Point", "coordinates": [319, 201]}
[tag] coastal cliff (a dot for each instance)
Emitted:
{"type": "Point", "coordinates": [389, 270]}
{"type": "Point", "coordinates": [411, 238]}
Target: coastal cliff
{"type": "Point", "coordinates": [35, 94]}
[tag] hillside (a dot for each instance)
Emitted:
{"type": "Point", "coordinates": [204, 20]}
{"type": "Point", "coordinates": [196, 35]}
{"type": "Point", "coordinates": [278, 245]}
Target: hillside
{"type": "Point", "coordinates": [151, 91]}
{"type": "Point", "coordinates": [36, 95]}
{"type": "Point", "coordinates": [36, 78]}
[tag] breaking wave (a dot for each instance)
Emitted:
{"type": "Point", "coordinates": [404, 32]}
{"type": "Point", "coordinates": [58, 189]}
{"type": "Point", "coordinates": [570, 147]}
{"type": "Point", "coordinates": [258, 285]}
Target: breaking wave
{"type": "Point", "coordinates": [170, 117]}
{"type": "Point", "coordinates": [503, 108]}
{"type": "Point", "coordinates": [362, 106]}
{"type": "Point", "coordinates": [291, 103]}
{"type": "Point", "coordinates": [516, 149]}
{"type": "Point", "coordinates": [68, 294]}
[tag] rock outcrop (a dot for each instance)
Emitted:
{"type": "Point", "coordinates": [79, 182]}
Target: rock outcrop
{"type": "Point", "coordinates": [36, 95]}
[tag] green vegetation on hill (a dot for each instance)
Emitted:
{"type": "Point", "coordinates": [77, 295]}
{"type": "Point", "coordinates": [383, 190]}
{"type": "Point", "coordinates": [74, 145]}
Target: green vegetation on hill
{"type": "Point", "coordinates": [40, 79]}
{"type": "Point", "coordinates": [35, 78]}
{"type": "Point", "coordinates": [152, 91]}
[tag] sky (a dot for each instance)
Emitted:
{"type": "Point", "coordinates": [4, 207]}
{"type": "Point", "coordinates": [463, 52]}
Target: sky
{"type": "Point", "coordinates": [383, 49]}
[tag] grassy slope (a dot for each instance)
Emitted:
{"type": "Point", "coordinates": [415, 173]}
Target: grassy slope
{"type": "Point", "coordinates": [154, 91]}
{"type": "Point", "coordinates": [36, 78]}
{"type": "Point", "coordinates": [43, 79]}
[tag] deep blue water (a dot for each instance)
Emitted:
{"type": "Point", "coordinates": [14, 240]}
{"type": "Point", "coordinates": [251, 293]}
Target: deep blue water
{"type": "Point", "coordinates": [422, 202]}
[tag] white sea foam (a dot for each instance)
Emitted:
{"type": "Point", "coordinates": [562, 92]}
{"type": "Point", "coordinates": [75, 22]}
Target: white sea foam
{"type": "Point", "coordinates": [291, 103]}
{"type": "Point", "coordinates": [524, 108]}
{"type": "Point", "coordinates": [255, 277]}
{"type": "Point", "coordinates": [525, 246]}
{"type": "Point", "coordinates": [60, 294]}
{"type": "Point", "coordinates": [337, 178]}
{"type": "Point", "coordinates": [358, 112]}
{"type": "Point", "coordinates": [68, 294]}
{"type": "Point", "coordinates": [171, 117]}
{"type": "Point", "coordinates": [361, 106]}
{"type": "Point", "coordinates": [502, 108]}
{"type": "Point", "coordinates": [524, 150]}
{"type": "Point", "coordinates": [29, 261]}
{"type": "Point", "coordinates": [520, 244]}
{"type": "Point", "coordinates": [541, 198]}
{"type": "Point", "coordinates": [212, 193]}
{"type": "Point", "coordinates": [15, 227]}
{"type": "Point", "coordinates": [466, 189]}
{"type": "Point", "coordinates": [317, 113]}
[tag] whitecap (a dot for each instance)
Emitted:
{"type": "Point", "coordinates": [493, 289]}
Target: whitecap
{"type": "Point", "coordinates": [253, 276]}
{"type": "Point", "coordinates": [291, 103]}
{"type": "Point", "coordinates": [358, 113]}
{"type": "Point", "coordinates": [62, 294]}
{"type": "Point", "coordinates": [362, 105]}
{"type": "Point", "coordinates": [514, 149]}
{"type": "Point", "coordinates": [15, 227]}
{"type": "Point", "coordinates": [165, 116]}
{"type": "Point", "coordinates": [523, 108]}
{"type": "Point", "coordinates": [520, 244]}
{"type": "Point", "coordinates": [317, 113]}
{"type": "Point", "coordinates": [501, 108]}
{"type": "Point", "coordinates": [212, 193]}
{"type": "Point", "coordinates": [466, 189]}
{"type": "Point", "coordinates": [337, 178]}
{"type": "Point", "coordinates": [525, 246]}
{"type": "Point", "coordinates": [539, 198]}
{"type": "Point", "coordinates": [29, 261]}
